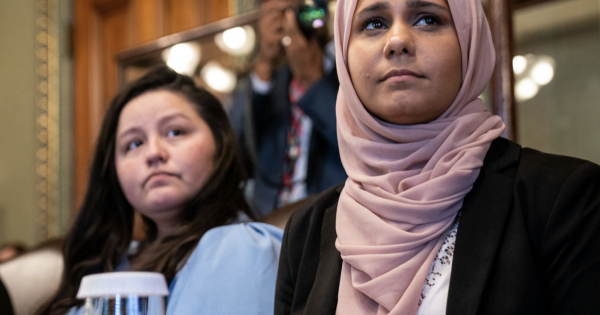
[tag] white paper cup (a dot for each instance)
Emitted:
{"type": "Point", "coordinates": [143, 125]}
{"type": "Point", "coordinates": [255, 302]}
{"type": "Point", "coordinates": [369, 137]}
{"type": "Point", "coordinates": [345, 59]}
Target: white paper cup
{"type": "Point", "coordinates": [124, 293]}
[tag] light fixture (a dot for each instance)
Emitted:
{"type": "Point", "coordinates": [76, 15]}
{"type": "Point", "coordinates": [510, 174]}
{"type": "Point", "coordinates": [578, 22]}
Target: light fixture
{"type": "Point", "coordinates": [526, 89]}
{"type": "Point", "coordinates": [237, 41]}
{"type": "Point", "coordinates": [531, 72]}
{"type": "Point", "coordinates": [183, 58]}
{"type": "Point", "coordinates": [542, 71]}
{"type": "Point", "coordinates": [234, 38]}
{"type": "Point", "coordinates": [519, 64]}
{"type": "Point", "coordinates": [218, 78]}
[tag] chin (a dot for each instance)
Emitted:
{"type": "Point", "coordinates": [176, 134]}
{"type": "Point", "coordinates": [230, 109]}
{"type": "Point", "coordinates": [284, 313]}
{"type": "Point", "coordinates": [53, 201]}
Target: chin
{"type": "Point", "coordinates": [167, 202]}
{"type": "Point", "coordinates": [164, 200]}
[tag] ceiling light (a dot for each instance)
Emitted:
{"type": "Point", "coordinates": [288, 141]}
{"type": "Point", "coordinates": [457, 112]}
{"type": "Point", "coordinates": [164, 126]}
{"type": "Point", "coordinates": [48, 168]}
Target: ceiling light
{"type": "Point", "coordinates": [543, 71]}
{"type": "Point", "coordinates": [526, 89]}
{"type": "Point", "coordinates": [519, 64]}
{"type": "Point", "coordinates": [237, 41]}
{"type": "Point", "coordinates": [218, 78]}
{"type": "Point", "coordinates": [183, 58]}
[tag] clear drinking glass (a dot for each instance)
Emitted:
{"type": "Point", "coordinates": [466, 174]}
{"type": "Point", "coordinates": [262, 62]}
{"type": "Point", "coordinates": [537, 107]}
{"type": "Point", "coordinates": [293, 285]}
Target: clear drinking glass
{"type": "Point", "coordinates": [124, 293]}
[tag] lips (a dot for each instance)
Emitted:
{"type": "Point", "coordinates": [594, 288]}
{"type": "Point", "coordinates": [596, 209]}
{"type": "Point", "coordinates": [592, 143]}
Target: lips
{"type": "Point", "coordinates": [400, 73]}
{"type": "Point", "coordinates": [155, 174]}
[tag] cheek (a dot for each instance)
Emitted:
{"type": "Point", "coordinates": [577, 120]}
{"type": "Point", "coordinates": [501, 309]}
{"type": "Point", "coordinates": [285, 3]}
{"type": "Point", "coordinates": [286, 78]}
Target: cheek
{"type": "Point", "coordinates": [450, 62]}
{"type": "Point", "coordinates": [447, 67]}
{"type": "Point", "coordinates": [360, 66]}
{"type": "Point", "coordinates": [126, 173]}
{"type": "Point", "coordinates": [454, 70]}
{"type": "Point", "coordinates": [199, 161]}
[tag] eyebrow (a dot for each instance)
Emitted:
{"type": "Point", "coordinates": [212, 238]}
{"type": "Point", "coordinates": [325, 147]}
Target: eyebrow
{"type": "Point", "coordinates": [424, 4]}
{"type": "Point", "coordinates": [161, 121]}
{"type": "Point", "coordinates": [379, 6]}
{"type": "Point", "coordinates": [127, 132]}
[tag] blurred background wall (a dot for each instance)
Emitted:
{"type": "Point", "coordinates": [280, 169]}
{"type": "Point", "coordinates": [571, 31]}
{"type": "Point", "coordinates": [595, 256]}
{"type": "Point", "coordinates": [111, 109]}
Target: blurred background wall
{"type": "Point", "coordinates": [17, 121]}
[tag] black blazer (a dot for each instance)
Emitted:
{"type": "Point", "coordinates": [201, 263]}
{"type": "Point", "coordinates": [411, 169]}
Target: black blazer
{"type": "Point", "coordinates": [528, 241]}
{"type": "Point", "coordinates": [5, 304]}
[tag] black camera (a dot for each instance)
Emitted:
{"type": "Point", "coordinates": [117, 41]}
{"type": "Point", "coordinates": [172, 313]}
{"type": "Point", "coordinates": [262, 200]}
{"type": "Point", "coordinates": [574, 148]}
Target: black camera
{"type": "Point", "coordinates": [312, 17]}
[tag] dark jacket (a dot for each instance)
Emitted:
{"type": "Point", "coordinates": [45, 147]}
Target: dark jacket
{"type": "Point", "coordinates": [528, 242]}
{"type": "Point", "coordinates": [272, 119]}
{"type": "Point", "coordinates": [5, 304]}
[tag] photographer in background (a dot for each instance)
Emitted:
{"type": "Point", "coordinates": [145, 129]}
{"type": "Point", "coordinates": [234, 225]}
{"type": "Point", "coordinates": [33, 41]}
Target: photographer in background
{"type": "Point", "coordinates": [284, 117]}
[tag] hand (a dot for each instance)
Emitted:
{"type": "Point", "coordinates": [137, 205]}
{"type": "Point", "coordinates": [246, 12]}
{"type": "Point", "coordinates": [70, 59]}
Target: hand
{"type": "Point", "coordinates": [305, 57]}
{"type": "Point", "coordinates": [270, 26]}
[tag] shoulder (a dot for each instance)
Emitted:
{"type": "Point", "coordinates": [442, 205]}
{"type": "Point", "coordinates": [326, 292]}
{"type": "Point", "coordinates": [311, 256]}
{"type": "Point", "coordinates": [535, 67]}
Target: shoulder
{"type": "Point", "coordinates": [560, 198]}
{"type": "Point", "coordinates": [546, 178]}
{"type": "Point", "coordinates": [532, 169]}
{"type": "Point", "coordinates": [235, 249]}
{"type": "Point", "coordinates": [308, 246]}
{"type": "Point", "coordinates": [550, 168]}
{"type": "Point", "coordinates": [553, 192]}
{"type": "Point", "coordinates": [311, 215]}
{"type": "Point", "coordinates": [226, 268]}
{"type": "Point", "coordinates": [310, 231]}
{"type": "Point", "coordinates": [238, 241]}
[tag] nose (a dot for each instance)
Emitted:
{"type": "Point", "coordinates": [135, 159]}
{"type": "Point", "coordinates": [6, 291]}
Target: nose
{"type": "Point", "coordinates": [399, 41]}
{"type": "Point", "coordinates": [156, 152]}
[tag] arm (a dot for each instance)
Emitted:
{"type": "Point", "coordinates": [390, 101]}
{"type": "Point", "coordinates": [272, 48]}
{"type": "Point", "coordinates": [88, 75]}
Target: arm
{"type": "Point", "coordinates": [305, 59]}
{"type": "Point", "coordinates": [231, 271]}
{"type": "Point", "coordinates": [247, 98]}
{"type": "Point", "coordinates": [319, 104]}
{"type": "Point", "coordinates": [570, 249]}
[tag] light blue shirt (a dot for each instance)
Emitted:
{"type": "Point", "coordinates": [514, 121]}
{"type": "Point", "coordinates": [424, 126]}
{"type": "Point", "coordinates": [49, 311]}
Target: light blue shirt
{"type": "Point", "coordinates": [232, 270]}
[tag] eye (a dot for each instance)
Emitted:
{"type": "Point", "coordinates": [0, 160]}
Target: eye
{"type": "Point", "coordinates": [174, 133]}
{"type": "Point", "coordinates": [373, 23]}
{"type": "Point", "coordinates": [429, 19]}
{"type": "Point", "coordinates": [134, 144]}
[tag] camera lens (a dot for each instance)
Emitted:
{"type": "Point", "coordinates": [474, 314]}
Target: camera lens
{"type": "Point", "coordinates": [311, 15]}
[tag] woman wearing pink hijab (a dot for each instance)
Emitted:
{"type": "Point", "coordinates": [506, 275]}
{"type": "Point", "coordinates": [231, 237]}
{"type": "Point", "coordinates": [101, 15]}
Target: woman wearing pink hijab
{"type": "Point", "coordinates": [439, 215]}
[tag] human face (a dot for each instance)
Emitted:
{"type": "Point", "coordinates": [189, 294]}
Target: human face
{"type": "Point", "coordinates": [164, 155]}
{"type": "Point", "coordinates": [404, 59]}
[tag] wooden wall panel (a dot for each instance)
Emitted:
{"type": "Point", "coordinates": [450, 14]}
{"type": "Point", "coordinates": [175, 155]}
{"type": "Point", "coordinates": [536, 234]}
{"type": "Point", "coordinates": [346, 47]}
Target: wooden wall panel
{"type": "Point", "coordinates": [214, 10]}
{"type": "Point", "coordinates": [83, 34]}
{"type": "Point", "coordinates": [146, 21]}
{"type": "Point", "coordinates": [181, 15]}
{"type": "Point", "coordinates": [114, 39]}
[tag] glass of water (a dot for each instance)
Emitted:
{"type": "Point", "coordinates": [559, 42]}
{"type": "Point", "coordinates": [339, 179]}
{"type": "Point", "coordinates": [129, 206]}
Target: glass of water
{"type": "Point", "coordinates": [124, 293]}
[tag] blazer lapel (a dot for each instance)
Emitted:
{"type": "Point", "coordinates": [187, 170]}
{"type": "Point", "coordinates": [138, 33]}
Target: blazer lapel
{"type": "Point", "coordinates": [483, 216]}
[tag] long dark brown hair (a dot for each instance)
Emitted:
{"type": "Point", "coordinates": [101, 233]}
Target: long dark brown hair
{"type": "Point", "coordinates": [102, 232]}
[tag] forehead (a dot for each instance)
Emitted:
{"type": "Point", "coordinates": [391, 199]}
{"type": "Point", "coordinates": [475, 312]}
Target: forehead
{"type": "Point", "coordinates": [154, 105]}
{"type": "Point", "coordinates": [409, 4]}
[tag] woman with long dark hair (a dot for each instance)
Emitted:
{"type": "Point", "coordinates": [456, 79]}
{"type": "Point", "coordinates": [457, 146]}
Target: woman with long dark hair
{"type": "Point", "coordinates": [166, 150]}
{"type": "Point", "coordinates": [439, 215]}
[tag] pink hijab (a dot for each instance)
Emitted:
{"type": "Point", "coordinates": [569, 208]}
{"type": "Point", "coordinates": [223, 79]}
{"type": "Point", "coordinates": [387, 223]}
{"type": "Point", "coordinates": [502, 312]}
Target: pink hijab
{"type": "Point", "coordinates": [407, 182]}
